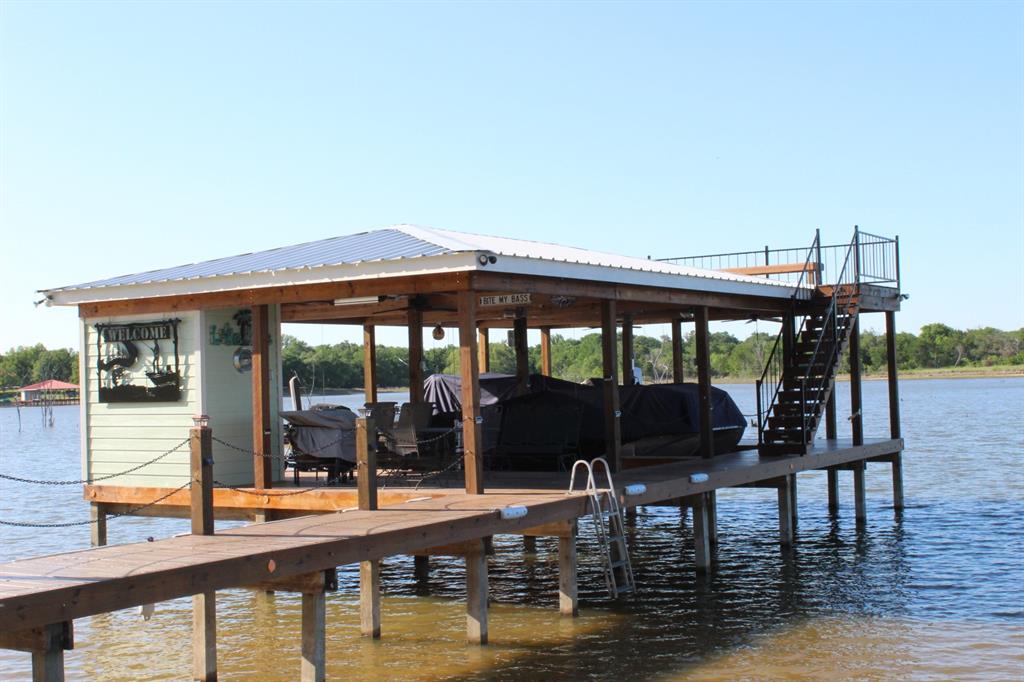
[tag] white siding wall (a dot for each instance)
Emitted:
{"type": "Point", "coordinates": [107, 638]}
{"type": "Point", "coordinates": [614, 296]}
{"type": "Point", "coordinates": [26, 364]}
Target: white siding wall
{"type": "Point", "coordinates": [122, 435]}
{"type": "Point", "coordinates": [118, 436]}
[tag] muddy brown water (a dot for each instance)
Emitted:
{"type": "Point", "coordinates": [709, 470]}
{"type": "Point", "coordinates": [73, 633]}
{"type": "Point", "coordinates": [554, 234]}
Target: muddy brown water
{"type": "Point", "coordinates": [936, 592]}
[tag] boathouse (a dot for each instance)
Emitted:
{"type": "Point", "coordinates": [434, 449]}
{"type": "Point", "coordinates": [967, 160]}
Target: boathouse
{"type": "Point", "coordinates": [159, 348]}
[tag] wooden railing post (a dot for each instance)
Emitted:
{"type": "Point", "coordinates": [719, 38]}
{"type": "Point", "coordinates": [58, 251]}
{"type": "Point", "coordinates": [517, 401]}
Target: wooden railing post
{"type": "Point", "coordinates": [204, 605]}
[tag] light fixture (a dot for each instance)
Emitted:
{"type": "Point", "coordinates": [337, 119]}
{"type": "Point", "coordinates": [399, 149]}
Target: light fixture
{"type": "Point", "coordinates": [357, 300]}
{"type": "Point", "coordinates": [438, 332]}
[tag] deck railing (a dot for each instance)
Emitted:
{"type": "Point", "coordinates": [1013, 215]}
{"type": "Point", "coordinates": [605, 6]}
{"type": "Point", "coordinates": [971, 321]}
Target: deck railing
{"type": "Point", "coordinates": [879, 262]}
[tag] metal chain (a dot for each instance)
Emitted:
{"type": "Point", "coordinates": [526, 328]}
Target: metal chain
{"type": "Point", "coordinates": [97, 478]}
{"type": "Point", "coordinates": [129, 512]}
{"type": "Point", "coordinates": [251, 453]}
{"type": "Point", "coordinates": [264, 493]}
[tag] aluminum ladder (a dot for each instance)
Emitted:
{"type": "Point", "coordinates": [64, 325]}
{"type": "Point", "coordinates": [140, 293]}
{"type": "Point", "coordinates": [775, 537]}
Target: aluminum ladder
{"type": "Point", "coordinates": [609, 529]}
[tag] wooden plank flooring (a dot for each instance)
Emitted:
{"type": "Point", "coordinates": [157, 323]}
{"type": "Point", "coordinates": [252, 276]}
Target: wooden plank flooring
{"type": "Point", "coordinates": [44, 590]}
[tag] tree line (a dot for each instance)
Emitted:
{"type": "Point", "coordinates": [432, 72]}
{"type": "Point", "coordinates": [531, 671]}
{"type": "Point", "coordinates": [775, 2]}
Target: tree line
{"type": "Point", "coordinates": [340, 365]}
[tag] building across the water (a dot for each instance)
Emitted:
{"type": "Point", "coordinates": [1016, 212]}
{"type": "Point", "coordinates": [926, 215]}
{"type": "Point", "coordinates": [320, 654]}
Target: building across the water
{"type": "Point", "coordinates": [50, 391]}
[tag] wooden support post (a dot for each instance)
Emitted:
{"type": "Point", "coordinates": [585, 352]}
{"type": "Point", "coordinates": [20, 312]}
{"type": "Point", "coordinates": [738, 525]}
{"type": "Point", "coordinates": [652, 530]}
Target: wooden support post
{"type": "Point", "coordinates": [366, 465]}
{"type": "Point", "coordinates": [201, 494]}
{"type": "Point", "coordinates": [313, 667]}
{"type": "Point", "coordinates": [522, 356]}
{"type": "Point", "coordinates": [47, 645]}
{"type": "Point", "coordinates": [701, 541]}
{"type": "Point", "coordinates": [472, 429]}
{"type": "Point", "coordinates": [414, 320]}
{"type": "Point", "coordinates": [830, 416]}
{"type": "Point", "coordinates": [263, 471]}
{"type": "Point", "coordinates": [627, 350]}
{"type": "Point", "coordinates": [785, 512]}
{"type": "Point", "coordinates": [369, 363]}
{"type": "Point", "coordinates": [568, 596]}
{"type": "Point", "coordinates": [707, 441]}
{"type": "Point", "coordinates": [612, 414]}
{"type": "Point", "coordinates": [204, 636]}
{"type": "Point", "coordinates": [833, 490]}
{"type": "Point", "coordinates": [860, 500]}
{"type": "Point", "coordinates": [712, 506]}
{"type": "Point", "coordinates": [476, 597]}
{"type": "Point", "coordinates": [894, 407]}
{"type": "Point", "coordinates": [793, 499]}
{"type": "Point", "coordinates": [369, 598]}
{"type": "Point", "coordinates": [856, 405]}
{"type": "Point", "coordinates": [545, 351]}
{"type": "Point", "coordinates": [483, 349]}
{"type": "Point", "coordinates": [677, 351]}
{"type": "Point", "coordinates": [369, 571]}
{"type": "Point", "coordinates": [530, 544]}
{"type": "Point", "coordinates": [98, 527]}
{"type": "Point", "coordinates": [421, 566]}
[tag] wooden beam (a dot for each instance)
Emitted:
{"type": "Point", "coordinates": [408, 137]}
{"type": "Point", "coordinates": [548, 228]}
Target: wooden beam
{"type": "Point", "coordinates": [315, 581]}
{"type": "Point", "coordinates": [612, 413]}
{"type": "Point", "coordinates": [42, 638]}
{"type": "Point", "coordinates": [414, 322]}
{"type": "Point", "coordinates": [313, 666]}
{"type": "Point", "coordinates": [568, 592]}
{"type": "Point", "coordinates": [522, 356]}
{"type": "Point", "coordinates": [201, 494]}
{"type": "Point", "coordinates": [204, 636]}
{"type": "Point", "coordinates": [262, 465]}
{"type": "Point", "coordinates": [369, 363]}
{"type": "Point", "coordinates": [558, 529]}
{"type": "Point", "coordinates": [421, 567]}
{"type": "Point", "coordinates": [677, 351]}
{"type": "Point", "coordinates": [476, 595]}
{"type": "Point", "coordinates": [778, 269]}
{"type": "Point", "coordinates": [627, 350]}
{"type": "Point", "coordinates": [707, 439]}
{"type": "Point", "coordinates": [294, 293]}
{"type": "Point", "coordinates": [856, 404]}
{"type": "Point", "coordinates": [894, 406]}
{"type": "Point", "coordinates": [472, 432]}
{"type": "Point", "coordinates": [545, 351]}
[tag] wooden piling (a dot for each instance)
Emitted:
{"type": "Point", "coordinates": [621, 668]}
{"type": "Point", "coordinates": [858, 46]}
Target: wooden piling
{"type": "Point", "coordinates": [414, 322]}
{"type": "Point", "coordinates": [369, 363]}
{"type": "Point", "coordinates": [568, 595]}
{"type": "Point", "coordinates": [612, 414]}
{"type": "Point", "coordinates": [627, 350]}
{"type": "Point", "coordinates": [313, 667]}
{"type": "Point", "coordinates": [421, 566]}
{"type": "Point", "coordinates": [701, 540]}
{"type": "Point", "coordinates": [833, 490]}
{"type": "Point", "coordinates": [263, 471]}
{"type": "Point", "coordinates": [785, 511]}
{"type": "Point", "coordinates": [530, 544]}
{"type": "Point", "coordinates": [712, 506]}
{"type": "Point", "coordinates": [369, 571]}
{"type": "Point", "coordinates": [204, 636]}
{"type": "Point", "coordinates": [793, 499]}
{"type": "Point", "coordinates": [476, 594]}
{"type": "Point", "coordinates": [677, 351]}
{"type": "Point", "coordinates": [545, 351]}
{"type": "Point", "coordinates": [98, 527]}
{"type": "Point", "coordinates": [894, 407]}
{"type": "Point", "coordinates": [472, 429]}
{"type": "Point", "coordinates": [204, 604]}
{"type": "Point", "coordinates": [483, 349]}
{"type": "Point", "coordinates": [860, 492]}
{"type": "Point", "coordinates": [707, 442]}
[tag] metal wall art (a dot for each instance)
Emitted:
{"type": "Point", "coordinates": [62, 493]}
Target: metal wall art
{"type": "Point", "coordinates": [117, 352]}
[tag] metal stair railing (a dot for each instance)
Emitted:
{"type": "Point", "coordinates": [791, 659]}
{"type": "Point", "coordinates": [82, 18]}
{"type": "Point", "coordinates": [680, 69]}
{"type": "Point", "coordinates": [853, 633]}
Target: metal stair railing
{"type": "Point", "coordinates": [609, 529]}
{"type": "Point", "coordinates": [844, 290]}
{"type": "Point", "coordinates": [774, 374]}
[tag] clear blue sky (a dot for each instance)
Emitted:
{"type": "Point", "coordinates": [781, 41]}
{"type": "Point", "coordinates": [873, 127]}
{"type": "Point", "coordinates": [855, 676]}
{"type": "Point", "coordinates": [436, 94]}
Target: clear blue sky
{"type": "Point", "coordinates": [135, 136]}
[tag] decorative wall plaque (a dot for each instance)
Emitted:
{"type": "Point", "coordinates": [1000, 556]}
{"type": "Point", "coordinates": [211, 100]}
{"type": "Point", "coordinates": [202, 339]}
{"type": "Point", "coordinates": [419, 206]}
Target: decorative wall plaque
{"type": "Point", "coordinates": [118, 351]}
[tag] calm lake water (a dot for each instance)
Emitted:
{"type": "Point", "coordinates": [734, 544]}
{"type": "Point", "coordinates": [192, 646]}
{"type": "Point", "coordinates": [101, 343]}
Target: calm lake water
{"type": "Point", "coordinates": [936, 592]}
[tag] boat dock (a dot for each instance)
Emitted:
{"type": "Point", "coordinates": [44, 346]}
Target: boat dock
{"type": "Point", "coordinates": [169, 358]}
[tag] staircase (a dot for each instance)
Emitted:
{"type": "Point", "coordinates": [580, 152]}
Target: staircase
{"type": "Point", "coordinates": [800, 374]}
{"type": "Point", "coordinates": [810, 362]}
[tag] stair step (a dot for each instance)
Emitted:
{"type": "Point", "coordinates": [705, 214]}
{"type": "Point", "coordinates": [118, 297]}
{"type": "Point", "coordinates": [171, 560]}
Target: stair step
{"type": "Point", "coordinates": [618, 563]}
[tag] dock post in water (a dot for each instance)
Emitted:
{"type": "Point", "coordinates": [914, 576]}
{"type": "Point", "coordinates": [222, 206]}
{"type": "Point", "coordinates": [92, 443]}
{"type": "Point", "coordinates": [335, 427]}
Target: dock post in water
{"type": "Point", "coordinates": [831, 429]}
{"type": "Point", "coordinates": [701, 541]}
{"type": "Point", "coordinates": [857, 421]}
{"type": "Point", "coordinates": [204, 605]}
{"type": "Point", "coordinates": [712, 512]}
{"type": "Point", "coordinates": [314, 637]}
{"type": "Point", "coordinates": [476, 593]}
{"type": "Point", "coordinates": [369, 571]}
{"type": "Point", "coordinates": [98, 527]}
{"type": "Point", "coordinates": [894, 408]}
{"type": "Point", "coordinates": [786, 511]}
{"type": "Point", "coordinates": [568, 593]}
{"type": "Point", "coordinates": [46, 644]}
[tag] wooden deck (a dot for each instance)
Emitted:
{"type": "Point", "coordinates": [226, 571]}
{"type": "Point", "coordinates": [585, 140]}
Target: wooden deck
{"type": "Point", "coordinates": [51, 589]}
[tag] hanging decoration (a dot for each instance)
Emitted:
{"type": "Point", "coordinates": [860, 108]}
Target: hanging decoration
{"type": "Point", "coordinates": [117, 352]}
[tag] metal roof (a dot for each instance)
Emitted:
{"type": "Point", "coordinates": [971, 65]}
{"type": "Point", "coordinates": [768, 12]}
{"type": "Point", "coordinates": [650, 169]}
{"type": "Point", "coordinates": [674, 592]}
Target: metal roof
{"type": "Point", "coordinates": [404, 249]}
